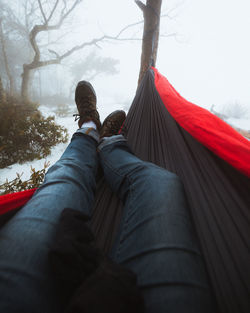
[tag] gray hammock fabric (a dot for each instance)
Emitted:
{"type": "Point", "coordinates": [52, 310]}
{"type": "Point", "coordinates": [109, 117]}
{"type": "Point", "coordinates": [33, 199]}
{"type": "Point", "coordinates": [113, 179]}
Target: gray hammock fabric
{"type": "Point", "coordinates": [218, 196]}
{"type": "Point", "coordinates": [218, 193]}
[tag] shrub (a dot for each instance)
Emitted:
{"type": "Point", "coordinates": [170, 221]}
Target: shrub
{"type": "Point", "coordinates": [25, 134]}
{"type": "Point", "coordinates": [17, 184]}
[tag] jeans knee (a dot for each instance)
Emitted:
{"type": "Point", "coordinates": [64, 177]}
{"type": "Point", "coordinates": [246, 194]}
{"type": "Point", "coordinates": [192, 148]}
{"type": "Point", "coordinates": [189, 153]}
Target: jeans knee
{"type": "Point", "coordinates": [160, 181]}
{"type": "Point", "coordinates": [158, 190]}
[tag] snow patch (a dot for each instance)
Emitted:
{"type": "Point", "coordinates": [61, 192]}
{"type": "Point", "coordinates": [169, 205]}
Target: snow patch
{"type": "Point", "coordinates": [106, 107]}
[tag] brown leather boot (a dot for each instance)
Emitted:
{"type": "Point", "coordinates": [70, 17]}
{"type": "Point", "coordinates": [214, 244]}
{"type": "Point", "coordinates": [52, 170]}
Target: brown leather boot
{"type": "Point", "coordinates": [85, 98]}
{"type": "Point", "coordinates": [112, 123]}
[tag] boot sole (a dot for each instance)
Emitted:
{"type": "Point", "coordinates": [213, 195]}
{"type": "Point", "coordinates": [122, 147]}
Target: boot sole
{"type": "Point", "coordinates": [84, 87]}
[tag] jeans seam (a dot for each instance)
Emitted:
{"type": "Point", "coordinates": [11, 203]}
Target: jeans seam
{"type": "Point", "coordinates": [131, 196]}
{"type": "Point", "coordinates": [110, 140]}
{"type": "Point", "coordinates": [125, 227]}
{"type": "Point", "coordinates": [111, 167]}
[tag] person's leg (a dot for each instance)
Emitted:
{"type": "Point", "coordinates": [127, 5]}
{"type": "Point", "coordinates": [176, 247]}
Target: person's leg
{"type": "Point", "coordinates": [25, 282]}
{"type": "Point", "coordinates": [156, 238]}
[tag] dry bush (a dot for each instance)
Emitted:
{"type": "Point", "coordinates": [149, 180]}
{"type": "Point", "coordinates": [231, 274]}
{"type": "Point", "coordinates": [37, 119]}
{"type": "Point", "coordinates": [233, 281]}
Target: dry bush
{"type": "Point", "coordinates": [17, 184]}
{"type": "Point", "coordinates": [25, 134]}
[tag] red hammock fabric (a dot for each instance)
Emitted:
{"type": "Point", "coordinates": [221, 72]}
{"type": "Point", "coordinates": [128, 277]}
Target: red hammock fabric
{"type": "Point", "coordinates": [207, 128]}
{"type": "Point", "coordinates": [13, 201]}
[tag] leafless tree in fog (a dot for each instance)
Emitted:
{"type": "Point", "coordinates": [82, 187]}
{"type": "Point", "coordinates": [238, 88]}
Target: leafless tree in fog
{"type": "Point", "coordinates": [40, 17]}
{"type": "Point", "coordinates": [5, 60]}
{"type": "Point", "coordinates": [14, 45]}
{"type": "Point", "coordinates": [60, 11]}
{"type": "Point", "coordinates": [90, 67]}
{"type": "Point", "coordinates": [50, 20]}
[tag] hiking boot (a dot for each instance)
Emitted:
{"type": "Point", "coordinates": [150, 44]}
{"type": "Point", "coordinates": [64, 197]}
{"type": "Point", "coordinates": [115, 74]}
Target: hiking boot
{"type": "Point", "coordinates": [85, 98]}
{"type": "Point", "coordinates": [112, 124]}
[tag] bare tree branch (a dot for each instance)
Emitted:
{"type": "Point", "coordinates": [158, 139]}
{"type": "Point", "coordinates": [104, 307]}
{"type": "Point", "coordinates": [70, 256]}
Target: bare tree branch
{"type": "Point", "coordinates": [29, 14]}
{"type": "Point", "coordinates": [56, 41]}
{"type": "Point", "coordinates": [59, 58]}
{"type": "Point", "coordinates": [168, 13]}
{"type": "Point", "coordinates": [141, 22]}
{"type": "Point", "coordinates": [65, 15]}
{"type": "Point", "coordinates": [55, 53]}
{"type": "Point", "coordinates": [65, 12]}
{"type": "Point", "coordinates": [45, 27]}
{"type": "Point", "coordinates": [129, 26]}
{"type": "Point", "coordinates": [85, 44]}
{"type": "Point", "coordinates": [64, 8]}
{"type": "Point", "coordinates": [42, 11]}
{"type": "Point", "coordinates": [141, 5]}
{"type": "Point", "coordinates": [169, 35]}
{"type": "Point", "coordinates": [53, 10]}
{"type": "Point", "coordinates": [95, 42]}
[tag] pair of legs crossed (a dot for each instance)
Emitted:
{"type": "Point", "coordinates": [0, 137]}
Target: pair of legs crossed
{"type": "Point", "coordinates": [156, 238]}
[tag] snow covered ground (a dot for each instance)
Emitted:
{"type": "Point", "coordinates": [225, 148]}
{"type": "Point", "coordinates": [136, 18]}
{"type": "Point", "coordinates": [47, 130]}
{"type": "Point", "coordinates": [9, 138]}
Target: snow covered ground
{"type": "Point", "coordinates": [107, 106]}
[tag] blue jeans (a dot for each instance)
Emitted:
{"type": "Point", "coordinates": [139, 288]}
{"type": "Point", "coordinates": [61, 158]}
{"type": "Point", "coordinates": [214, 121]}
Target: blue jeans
{"type": "Point", "coordinates": [156, 238]}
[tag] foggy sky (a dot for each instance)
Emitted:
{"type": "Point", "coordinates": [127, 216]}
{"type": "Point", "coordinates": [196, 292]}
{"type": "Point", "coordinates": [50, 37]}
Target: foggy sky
{"type": "Point", "coordinates": [209, 63]}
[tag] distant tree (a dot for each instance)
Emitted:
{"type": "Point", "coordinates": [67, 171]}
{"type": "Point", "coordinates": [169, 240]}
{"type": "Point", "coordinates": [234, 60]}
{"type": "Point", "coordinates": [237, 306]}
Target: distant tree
{"type": "Point", "coordinates": [92, 66]}
{"type": "Point", "coordinates": [5, 60]}
{"type": "Point", "coordinates": [235, 110]}
{"type": "Point", "coordinates": [38, 18]}
{"type": "Point", "coordinates": [14, 45]}
{"type": "Point", "coordinates": [50, 18]}
{"type": "Point", "coordinates": [2, 93]}
{"type": "Point", "coordinates": [24, 33]}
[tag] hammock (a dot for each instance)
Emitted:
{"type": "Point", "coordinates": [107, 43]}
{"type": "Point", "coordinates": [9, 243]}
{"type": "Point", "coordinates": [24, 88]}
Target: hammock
{"type": "Point", "coordinates": [213, 162]}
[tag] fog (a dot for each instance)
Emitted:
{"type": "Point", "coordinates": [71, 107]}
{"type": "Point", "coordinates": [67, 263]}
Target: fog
{"type": "Point", "coordinates": [207, 61]}
{"type": "Point", "coordinates": [206, 56]}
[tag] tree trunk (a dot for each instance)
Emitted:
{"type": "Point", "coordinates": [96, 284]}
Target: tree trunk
{"type": "Point", "coordinates": [6, 63]}
{"type": "Point", "coordinates": [151, 13]}
{"type": "Point", "coordinates": [25, 82]}
{"type": "Point", "coordinates": [2, 93]}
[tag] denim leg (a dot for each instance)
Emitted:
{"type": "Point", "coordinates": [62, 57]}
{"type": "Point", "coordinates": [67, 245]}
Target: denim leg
{"type": "Point", "coordinates": [26, 285]}
{"type": "Point", "coordinates": [156, 238]}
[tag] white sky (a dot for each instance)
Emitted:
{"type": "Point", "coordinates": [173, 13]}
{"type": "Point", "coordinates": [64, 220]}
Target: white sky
{"type": "Point", "coordinates": [209, 63]}
{"type": "Point", "coordinates": [213, 66]}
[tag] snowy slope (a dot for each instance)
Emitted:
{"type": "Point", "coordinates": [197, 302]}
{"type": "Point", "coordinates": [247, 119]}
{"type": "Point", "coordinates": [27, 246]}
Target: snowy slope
{"type": "Point", "coordinates": [107, 106]}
